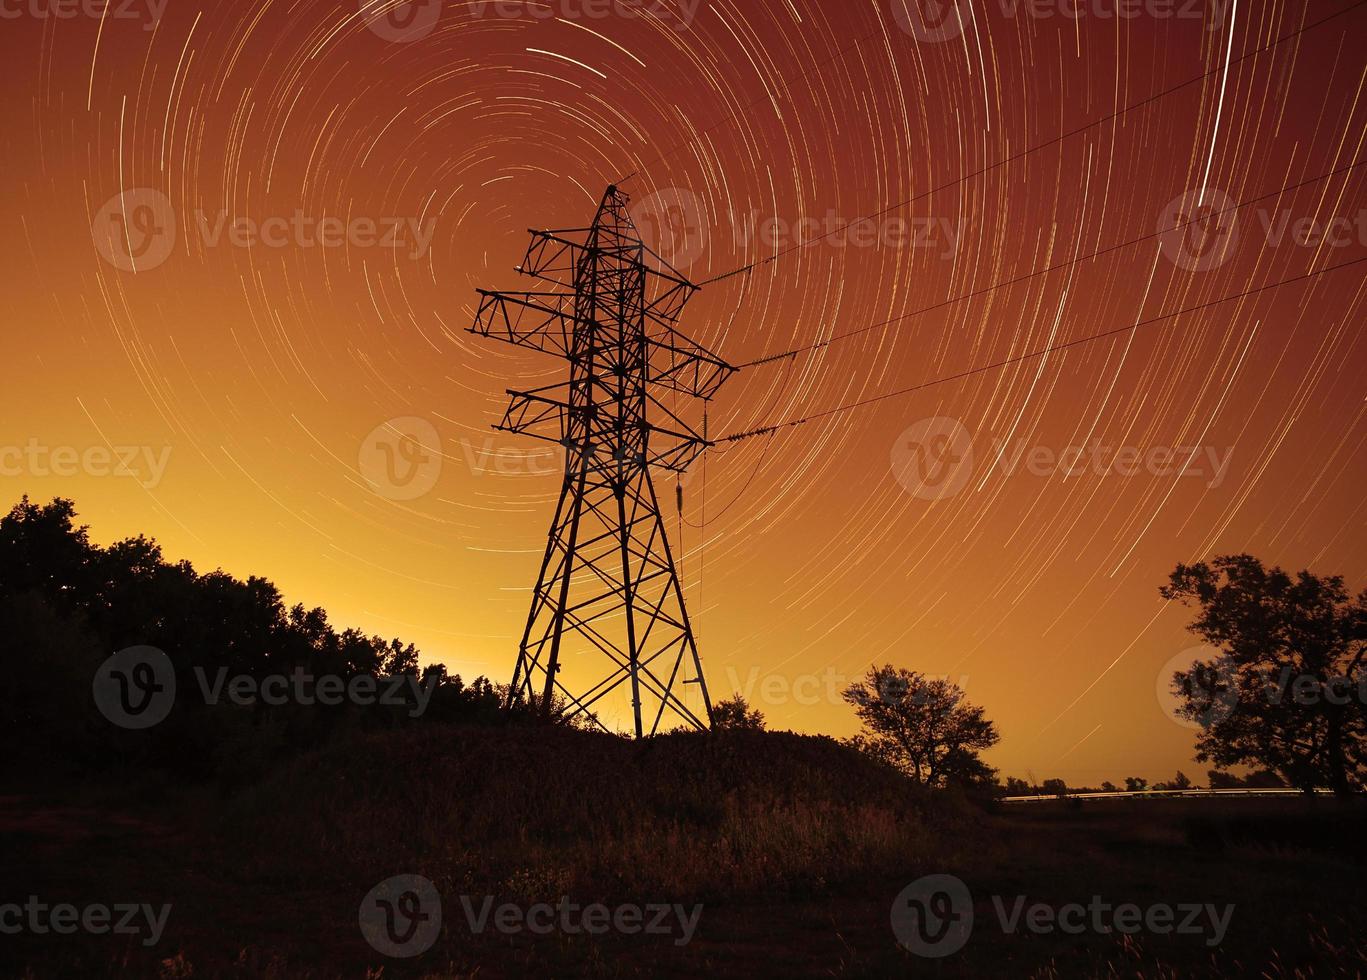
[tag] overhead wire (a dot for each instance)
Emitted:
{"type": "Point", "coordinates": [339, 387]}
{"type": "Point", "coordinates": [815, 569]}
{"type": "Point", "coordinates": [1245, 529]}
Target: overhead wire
{"type": "Point", "coordinates": [1006, 362]}
{"type": "Point", "coordinates": [1016, 280]}
{"type": "Point", "coordinates": [1052, 141]}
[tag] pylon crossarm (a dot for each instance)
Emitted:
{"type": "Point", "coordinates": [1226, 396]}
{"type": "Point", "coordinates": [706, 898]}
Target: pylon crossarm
{"type": "Point", "coordinates": [677, 459]}
{"type": "Point", "coordinates": [527, 411]}
{"type": "Point", "coordinates": [551, 246]}
{"type": "Point", "coordinates": [553, 252]}
{"type": "Point", "coordinates": [667, 305]}
{"type": "Point", "coordinates": [552, 257]}
{"type": "Point", "coordinates": [548, 419]}
{"type": "Point", "coordinates": [669, 274]}
{"type": "Point", "coordinates": [555, 258]}
{"type": "Point", "coordinates": [545, 321]}
{"type": "Point", "coordinates": [680, 427]}
{"type": "Point", "coordinates": [541, 321]}
{"type": "Point", "coordinates": [683, 365]}
{"type": "Point", "coordinates": [675, 362]}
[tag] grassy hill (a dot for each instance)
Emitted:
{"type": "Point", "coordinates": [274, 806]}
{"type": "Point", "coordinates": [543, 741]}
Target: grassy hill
{"type": "Point", "coordinates": [534, 812]}
{"type": "Point", "coordinates": [266, 879]}
{"type": "Point", "coordinates": [792, 849]}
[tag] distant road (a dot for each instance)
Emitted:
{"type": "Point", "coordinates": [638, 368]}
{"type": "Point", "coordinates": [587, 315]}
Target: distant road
{"type": "Point", "coordinates": [1155, 794]}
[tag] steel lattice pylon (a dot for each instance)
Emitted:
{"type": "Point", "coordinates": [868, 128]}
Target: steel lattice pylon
{"type": "Point", "coordinates": [608, 586]}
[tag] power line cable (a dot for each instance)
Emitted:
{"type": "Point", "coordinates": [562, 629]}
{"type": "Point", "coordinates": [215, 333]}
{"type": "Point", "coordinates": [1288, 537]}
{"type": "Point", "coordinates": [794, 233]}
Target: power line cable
{"type": "Point", "coordinates": [1033, 149]}
{"type": "Point", "coordinates": [1015, 280]}
{"type": "Point", "coordinates": [764, 430]}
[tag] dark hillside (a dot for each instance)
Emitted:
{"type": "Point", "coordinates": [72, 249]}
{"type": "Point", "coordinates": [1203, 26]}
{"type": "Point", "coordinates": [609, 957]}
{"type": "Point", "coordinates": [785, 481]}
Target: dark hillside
{"type": "Point", "coordinates": [527, 809]}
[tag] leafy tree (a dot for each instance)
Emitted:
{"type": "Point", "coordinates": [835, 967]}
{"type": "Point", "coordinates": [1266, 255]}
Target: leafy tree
{"type": "Point", "coordinates": [1055, 787]}
{"type": "Point", "coordinates": [1285, 690]}
{"type": "Point", "coordinates": [1180, 781]}
{"type": "Point", "coordinates": [1264, 779]}
{"type": "Point", "coordinates": [1136, 784]}
{"type": "Point", "coordinates": [66, 604]}
{"type": "Point", "coordinates": [735, 714]}
{"type": "Point", "coordinates": [923, 726]}
{"type": "Point", "coordinates": [1223, 780]}
{"type": "Point", "coordinates": [1016, 786]}
{"type": "Point", "coordinates": [1108, 787]}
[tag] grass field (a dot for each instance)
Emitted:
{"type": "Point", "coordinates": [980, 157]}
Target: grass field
{"type": "Point", "coordinates": [784, 852]}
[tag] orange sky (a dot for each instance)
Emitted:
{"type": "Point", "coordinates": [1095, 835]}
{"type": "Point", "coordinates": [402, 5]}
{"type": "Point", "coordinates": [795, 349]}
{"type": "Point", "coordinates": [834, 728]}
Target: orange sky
{"type": "Point", "coordinates": [257, 360]}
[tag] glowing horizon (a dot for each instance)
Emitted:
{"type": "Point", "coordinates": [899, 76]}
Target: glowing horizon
{"type": "Point", "coordinates": [316, 200]}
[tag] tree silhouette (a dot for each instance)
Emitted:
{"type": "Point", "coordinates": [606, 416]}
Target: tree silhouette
{"type": "Point", "coordinates": [1285, 691]}
{"type": "Point", "coordinates": [735, 714]}
{"type": "Point", "coordinates": [67, 604]}
{"type": "Point", "coordinates": [1264, 779]}
{"type": "Point", "coordinates": [922, 726]}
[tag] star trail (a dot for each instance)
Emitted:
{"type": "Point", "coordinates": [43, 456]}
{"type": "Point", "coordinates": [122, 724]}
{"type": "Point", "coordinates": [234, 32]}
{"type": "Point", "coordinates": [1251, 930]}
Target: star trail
{"type": "Point", "coordinates": [253, 232]}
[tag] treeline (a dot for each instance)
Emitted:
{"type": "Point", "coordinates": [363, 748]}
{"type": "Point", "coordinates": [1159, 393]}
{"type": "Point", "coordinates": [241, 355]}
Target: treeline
{"type": "Point", "coordinates": [67, 605]}
{"type": "Point", "coordinates": [1283, 690]}
{"type": "Point", "coordinates": [1216, 779]}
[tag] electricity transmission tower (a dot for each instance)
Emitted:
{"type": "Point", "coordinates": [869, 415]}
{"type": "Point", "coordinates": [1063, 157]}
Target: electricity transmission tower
{"type": "Point", "coordinates": [608, 589]}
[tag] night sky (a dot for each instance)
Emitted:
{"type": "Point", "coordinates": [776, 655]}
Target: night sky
{"type": "Point", "coordinates": [245, 238]}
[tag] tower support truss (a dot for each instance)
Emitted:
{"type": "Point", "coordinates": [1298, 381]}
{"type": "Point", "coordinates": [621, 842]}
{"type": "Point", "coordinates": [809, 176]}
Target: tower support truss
{"type": "Point", "coordinates": [608, 593]}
